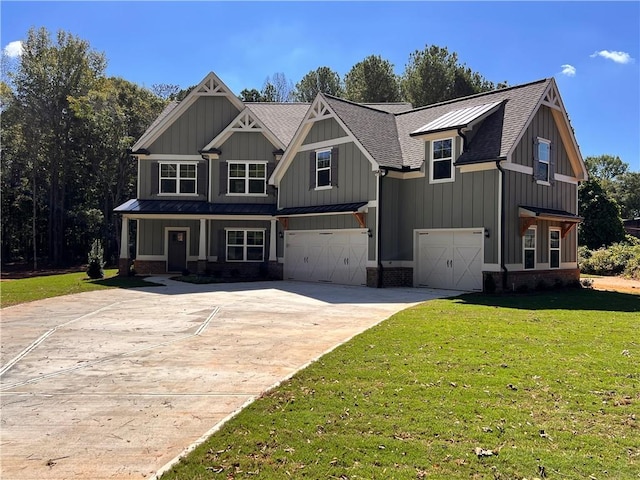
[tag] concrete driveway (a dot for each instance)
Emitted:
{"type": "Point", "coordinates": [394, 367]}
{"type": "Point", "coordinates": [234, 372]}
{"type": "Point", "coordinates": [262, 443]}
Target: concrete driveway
{"type": "Point", "coordinates": [118, 383]}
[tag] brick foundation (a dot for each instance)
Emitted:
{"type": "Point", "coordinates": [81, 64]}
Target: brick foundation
{"type": "Point", "coordinates": [123, 267]}
{"type": "Point", "coordinates": [248, 271]}
{"type": "Point", "coordinates": [148, 267]}
{"type": "Point", "coordinates": [391, 277]}
{"type": "Point", "coordinates": [531, 280]}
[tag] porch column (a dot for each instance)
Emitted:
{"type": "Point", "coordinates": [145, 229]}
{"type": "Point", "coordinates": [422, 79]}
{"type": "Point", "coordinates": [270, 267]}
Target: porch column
{"type": "Point", "coordinates": [123, 262]}
{"type": "Point", "coordinates": [272, 241]}
{"type": "Point", "coordinates": [202, 248]}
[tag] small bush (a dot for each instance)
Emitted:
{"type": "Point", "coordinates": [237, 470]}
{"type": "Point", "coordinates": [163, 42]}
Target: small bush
{"type": "Point", "coordinates": [95, 269]}
{"type": "Point", "coordinates": [186, 272]}
{"type": "Point", "coordinates": [618, 259]}
{"type": "Point", "coordinates": [489, 284]}
{"type": "Point", "coordinates": [541, 286]}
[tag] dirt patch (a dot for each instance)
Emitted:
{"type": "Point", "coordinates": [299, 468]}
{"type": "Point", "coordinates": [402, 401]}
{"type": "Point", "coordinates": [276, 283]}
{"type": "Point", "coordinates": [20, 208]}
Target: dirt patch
{"type": "Point", "coordinates": [616, 284]}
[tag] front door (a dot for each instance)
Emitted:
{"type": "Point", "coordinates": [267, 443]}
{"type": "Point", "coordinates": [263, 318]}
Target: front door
{"type": "Point", "coordinates": [177, 251]}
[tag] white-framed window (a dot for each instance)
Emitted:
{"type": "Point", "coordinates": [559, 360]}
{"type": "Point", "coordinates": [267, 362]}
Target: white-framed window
{"type": "Point", "coordinates": [247, 178]}
{"type": "Point", "coordinates": [543, 159]}
{"type": "Point", "coordinates": [554, 248]}
{"type": "Point", "coordinates": [245, 245]}
{"type": "Point", "coordinates": [529, 248]}
{"type": "Point", "coordinates": [323, 168]}
{"type": "Point", "coordinates": [442, 169]}
{"type": "Point", "coordinates": [178, 178]}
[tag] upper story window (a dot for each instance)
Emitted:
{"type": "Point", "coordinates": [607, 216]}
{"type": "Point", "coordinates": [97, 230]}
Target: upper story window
{"type": "Point", "coordinates": [178, 178]}
{"type": "Point", "coordinates": [247, 178]}
{"type": "Point", "coordinates": [323, 168]}
{"type": "Point", "coordinates": [543, 160]}
{"type": "Point", "coordinates": [554, 248]}
{"type": "Point", "coordinates": [441, 161]}
{"type": "Point", "coordinates": [529, 248]}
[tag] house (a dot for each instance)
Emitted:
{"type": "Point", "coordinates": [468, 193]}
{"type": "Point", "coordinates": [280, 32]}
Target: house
{"type": "Point", "coordinates": [465, 194]}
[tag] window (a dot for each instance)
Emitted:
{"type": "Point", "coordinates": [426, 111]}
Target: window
{"type": "Point", "coordinates": [323, 168]}
{"type": "Point", "coordinates": [554, 248]}
{"type": "Point", "coordinates": [247, 178]}
{"type": "Point", "coordinates": [178, 178]}
{"type": "Point", "coordinates": [529, 247]}
{"type": "Point", "coordinates": [245, 245]}
{"type": "Point", "coordinates": [442, 160]}
{"type": "Point", "coordinates": [543, 159]}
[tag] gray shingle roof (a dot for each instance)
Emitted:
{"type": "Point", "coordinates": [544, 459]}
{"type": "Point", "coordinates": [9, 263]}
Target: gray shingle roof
{"type": "Point", "coordinates": [374, 129]}
{"type": "Point", "coordinates": [497, 133]}
{"type": "Point", "coordinates": [282, 119]}
{"type": "Point", "coordinates": [393, 107]}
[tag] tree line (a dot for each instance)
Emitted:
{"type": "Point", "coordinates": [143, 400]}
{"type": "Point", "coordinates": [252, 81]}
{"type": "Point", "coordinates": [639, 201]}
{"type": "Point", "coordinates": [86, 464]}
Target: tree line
{"type": "Point", "coordinates": [66, 128]}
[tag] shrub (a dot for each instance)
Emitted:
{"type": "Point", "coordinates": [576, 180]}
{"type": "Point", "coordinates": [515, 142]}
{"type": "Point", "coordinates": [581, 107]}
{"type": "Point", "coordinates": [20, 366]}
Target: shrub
{"type": "Point", "coordinates": [618, 259]}
{"type": "Point", "coordinates": [489, 284]}
{"type": "Point", "coordinates": [95, 269]}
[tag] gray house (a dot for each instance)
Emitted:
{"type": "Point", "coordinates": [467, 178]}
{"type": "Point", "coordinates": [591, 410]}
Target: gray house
{"type": "Point", "coordinates": [463, 194]}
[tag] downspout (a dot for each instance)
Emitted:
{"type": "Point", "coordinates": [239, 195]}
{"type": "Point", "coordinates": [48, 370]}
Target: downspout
{"type": "Point", "coordinates": [381, 174]}
{"type": "Point", "coordinates": [503, 266]}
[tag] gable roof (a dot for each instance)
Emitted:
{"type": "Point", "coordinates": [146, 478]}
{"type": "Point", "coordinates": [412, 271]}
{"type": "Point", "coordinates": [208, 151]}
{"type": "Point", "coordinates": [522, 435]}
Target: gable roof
{"type": "Point", "coordinates": [282, 119]}
{"type": "Point", "coordinates": [501, 130]}
{"type": "Point", "coordinates": [210, 85]}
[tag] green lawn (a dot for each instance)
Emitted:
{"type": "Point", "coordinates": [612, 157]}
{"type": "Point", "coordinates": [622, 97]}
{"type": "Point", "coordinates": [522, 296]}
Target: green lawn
{"type": "Point", "coordinates": [13, 292]}
{"type": "Point", "coordinates": [549, 382]}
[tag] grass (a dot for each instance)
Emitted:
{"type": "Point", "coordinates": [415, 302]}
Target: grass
{"type": "Point", "coordinates": [549, 382]}
{"type": "Point", "coordinates": [13, 292]}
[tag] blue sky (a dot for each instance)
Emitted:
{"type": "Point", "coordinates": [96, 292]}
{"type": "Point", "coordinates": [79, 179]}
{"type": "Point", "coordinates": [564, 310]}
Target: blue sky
{"type": "Point", "coordinates": [591, 48]}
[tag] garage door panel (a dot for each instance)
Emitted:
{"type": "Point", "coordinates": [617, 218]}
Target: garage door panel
{"type": "Point", "coordinates": [327, 256]}
{"type": "Point", "coordinates": [450, 259]}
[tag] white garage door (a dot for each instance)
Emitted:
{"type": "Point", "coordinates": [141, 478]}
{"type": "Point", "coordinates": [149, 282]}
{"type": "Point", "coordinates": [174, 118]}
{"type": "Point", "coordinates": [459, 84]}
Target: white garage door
{"type": "Point", "coordinates": [334, 256]}
{"type": "Point", "coordinates": [450, 259]}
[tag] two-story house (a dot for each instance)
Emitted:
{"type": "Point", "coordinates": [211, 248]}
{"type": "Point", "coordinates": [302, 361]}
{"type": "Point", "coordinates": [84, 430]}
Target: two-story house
{"type": "Point", "coordinates": [462, 194]}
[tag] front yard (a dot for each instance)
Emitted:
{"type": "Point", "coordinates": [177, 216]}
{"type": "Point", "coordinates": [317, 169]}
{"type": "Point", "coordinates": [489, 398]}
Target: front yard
{"type": "Point", "coordinates": [503, 387]}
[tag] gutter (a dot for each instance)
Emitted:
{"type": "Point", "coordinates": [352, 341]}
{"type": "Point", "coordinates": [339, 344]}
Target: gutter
{"type": "Point", "coordinates": [503, 266]}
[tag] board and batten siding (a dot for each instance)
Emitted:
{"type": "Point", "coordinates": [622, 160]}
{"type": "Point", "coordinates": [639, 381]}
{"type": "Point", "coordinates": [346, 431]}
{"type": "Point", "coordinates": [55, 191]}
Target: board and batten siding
{"type": "Point", "coordinates": [471, 201]}
{"type": "Point", "coordinates": [196, 127]}
{"type": "Point", "coordinates": [324, 130]}
{"type": "Point", "coordinates": [356, 181]}
{"type": "Point", "coordinates": [521, 189]}
{"type": "Point", "coordinates": [218, 239]}
{"type": "Point", "coordinates": [243, 146]}
{"type": "Point", "coordinates": [544, 126]}
{"type": "Point", "coordinates": [149, 180]}
{"type": "Point", "coordinates": [151, 235]}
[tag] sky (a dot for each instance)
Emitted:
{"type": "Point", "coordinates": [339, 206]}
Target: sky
{"type": "Point", "coordinates": [591, 48]}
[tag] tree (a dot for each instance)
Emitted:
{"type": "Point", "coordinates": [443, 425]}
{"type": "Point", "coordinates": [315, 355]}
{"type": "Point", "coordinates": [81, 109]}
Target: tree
{"type": "Point", "coordinates": [606, 167]}
{"type": "Point", "coordinates": [48, 74]}
{"type": "Point", "coordinates": [372, 81]}
{"type": "Point", "coordinates": [322, 80]}
{"type": "Point", "coordinates": [602, 225]}
{"type": "Point", "coordinates": [278, 89]}
{"type": "Point", "coordinates": [166, 91]}
{"type": "Point", "coordinates": [626, 192]}
{"type": "Point", "coordinates": [434, 75]}
{"type": "Point", "coordinates": [252, 95]}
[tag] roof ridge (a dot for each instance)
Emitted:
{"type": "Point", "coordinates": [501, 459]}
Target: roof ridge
{"type": "Point", "coordinates": [361, 105]}
{"type": "Point", "coordinates": [475, 95]}
{"type": "Point", "coordinates": [277, 103]}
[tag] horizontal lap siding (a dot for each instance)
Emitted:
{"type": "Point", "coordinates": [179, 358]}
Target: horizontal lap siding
{"type": "Point", "coordinates": [151, 235]}
{"type": "Point", "coordinates": [356, 181]}
{"type": "Point", "coordinates": [196, 127]}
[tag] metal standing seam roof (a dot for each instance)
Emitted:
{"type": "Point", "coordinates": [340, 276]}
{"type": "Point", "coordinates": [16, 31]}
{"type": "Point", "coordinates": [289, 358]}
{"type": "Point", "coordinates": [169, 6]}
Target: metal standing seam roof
{"type": "Point", "coordinates": [336, 208]}
{"type": "Point", "coordinates": [457, 118]}
{"type": "Point", "coordinates": [519, 104]}
{"type": "Point", "coordinates": [194, 207]}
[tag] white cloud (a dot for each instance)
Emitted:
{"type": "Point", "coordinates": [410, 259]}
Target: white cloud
{"type": "Point", "coordinates": [568, 70]}
{"type": "Point", "coordinates": [618, 57]}
{"type": "Point", "coordinates": [13, 49]}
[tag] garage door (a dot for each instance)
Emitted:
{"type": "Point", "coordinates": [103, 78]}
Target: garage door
{"type": "Point", "coordinates": [450, 259]}
{"type": "Point", "coordinates": [332, 256]}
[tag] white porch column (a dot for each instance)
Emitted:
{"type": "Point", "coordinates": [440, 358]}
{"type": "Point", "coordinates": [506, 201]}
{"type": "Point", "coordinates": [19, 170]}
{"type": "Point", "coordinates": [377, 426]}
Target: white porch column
{"type": "Point", "coordinates": [202, 249]}
{"type": "Point", "coordinates": [272, 241]}
{"type": "Point", "coordinates": [124, 238]}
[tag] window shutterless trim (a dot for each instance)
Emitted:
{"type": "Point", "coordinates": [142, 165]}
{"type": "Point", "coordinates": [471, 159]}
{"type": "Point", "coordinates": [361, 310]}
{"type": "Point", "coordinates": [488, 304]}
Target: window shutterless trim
{"type": "Point", "coordinates": [246, 178]}
{"type": "Point", "coordinates": [244, 245]}
{"type": "Point", "coordinates": [450, 159]}
{"type": "Point", "coordinates": [525, 249]}
{"type": "Point", "coordinates": [554, 249]}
